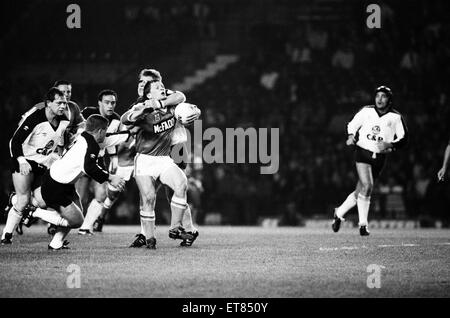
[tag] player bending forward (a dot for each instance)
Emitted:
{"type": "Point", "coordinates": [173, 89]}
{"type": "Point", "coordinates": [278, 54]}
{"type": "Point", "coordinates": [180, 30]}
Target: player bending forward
{"type": "Point", "coordinates": [376, 130]}
{"type": "Point", "coordinates": [57, 191]}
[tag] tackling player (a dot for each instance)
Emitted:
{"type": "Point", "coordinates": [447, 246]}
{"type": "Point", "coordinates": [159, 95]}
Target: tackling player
{"type": "Point", "coordinates": [107, 100]}
{"type": "Point", "coordinates": [376, 130]}
{"type": "Point", "coordinates": [58, 187]}
{"type": "Point", "coordinates": [32, 149]}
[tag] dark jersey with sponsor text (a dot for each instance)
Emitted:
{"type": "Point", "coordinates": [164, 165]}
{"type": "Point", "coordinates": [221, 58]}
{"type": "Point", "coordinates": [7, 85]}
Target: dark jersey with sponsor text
{"type": "Point", "coordinates": [156, 138]}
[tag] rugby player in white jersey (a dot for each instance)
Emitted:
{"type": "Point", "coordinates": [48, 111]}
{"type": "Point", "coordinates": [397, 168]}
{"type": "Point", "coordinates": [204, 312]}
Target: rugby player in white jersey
{"type": "Point", "coordinates": [76, 125]}
{"type": "Point", "coordinates": [57, 200]}
{"type": "Point", "coordinates": [153, 162]}
{"type": "Point", "coordinates": [375, 130]}
{"type": "Point", "coordinates": [107, 100]}
{"type": "Point", "coordinates": [32, 149]}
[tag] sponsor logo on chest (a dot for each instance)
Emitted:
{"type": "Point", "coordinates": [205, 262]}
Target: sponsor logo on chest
{"type": "Point", "coordinates": [163, 126]}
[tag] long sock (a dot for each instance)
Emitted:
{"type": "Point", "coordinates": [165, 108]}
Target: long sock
{"type": "Point", "coordinates": [107, 205]}
{"type": "Point", "coordinates": [363, 203]}
{"type": "Point", "coordinates": [188, 224]}
{"type": "Point", "coordinates": [93, 212]}
{"type": "Point", "coordinates": [59, 237]}
{"type": "Point", "coordinates": [349, 203]}
{"type": "Point", "coordinates": [177, 207]}
{"type": "Point", "coordinates": [51, 216]}
{"type": "Point", "coordinates": [12, 221]}
{"type": "Point", "coordinates": [148, 223]}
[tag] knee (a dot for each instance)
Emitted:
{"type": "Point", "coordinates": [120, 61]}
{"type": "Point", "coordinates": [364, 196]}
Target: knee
{"type": "Point", "coordinates": [149, 198]}
{"type": "Point", "coordinates": [366, 188]}
{"type": "Point", "coordinates": [76, 221]}
{"type": "Point", "coordinates": [100, 196]}
{"type": "Point", "coordinates": [22, 201]}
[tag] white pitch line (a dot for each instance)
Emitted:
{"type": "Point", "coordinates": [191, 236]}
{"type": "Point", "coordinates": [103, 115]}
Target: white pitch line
{"type": "Point", "coordinates": [381, 245]}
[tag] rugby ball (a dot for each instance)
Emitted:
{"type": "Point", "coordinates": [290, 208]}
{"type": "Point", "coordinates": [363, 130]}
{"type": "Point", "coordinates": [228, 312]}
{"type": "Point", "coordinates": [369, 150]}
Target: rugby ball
{"type": "Point", "coordinates": [186, 113]}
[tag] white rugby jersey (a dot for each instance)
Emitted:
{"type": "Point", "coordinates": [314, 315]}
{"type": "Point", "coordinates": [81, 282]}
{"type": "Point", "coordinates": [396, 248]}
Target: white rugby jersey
{"type": "Point", "coordinates": [35, 138]}
{"type": "Point", "coordinates": [113, 140]}
{"type": "Point", "coordinates": [369, 127]}
{"type": "Point", "coordinates": [80, 159]}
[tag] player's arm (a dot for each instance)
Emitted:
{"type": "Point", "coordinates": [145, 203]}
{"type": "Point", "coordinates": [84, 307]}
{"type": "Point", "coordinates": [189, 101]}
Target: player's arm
{"type": "Point", "coordinates": [131, 116]}
{"type": "Point", "coordinates": [20, 135]}
{"type": "Point", "coordinates": [173, 98]}
{"type": "Point", "coordinates": [353, 126]}
{"type": "Point", "coordinates": [92, 169]}
{"type": "Point", "coordinates": [401, 133]}
{"type": "Point", "coordinates": [443, 170]}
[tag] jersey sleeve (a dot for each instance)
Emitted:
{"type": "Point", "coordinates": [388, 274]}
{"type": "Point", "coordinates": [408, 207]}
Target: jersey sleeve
{"type": "Point", "coordinates": [401, 134]}
{"type": "Point", "coordinates": [90, 166]}
{"type": "Point", "coordinates": [20, 135]}
{"type": "Point", "coordinates": [355, 124]}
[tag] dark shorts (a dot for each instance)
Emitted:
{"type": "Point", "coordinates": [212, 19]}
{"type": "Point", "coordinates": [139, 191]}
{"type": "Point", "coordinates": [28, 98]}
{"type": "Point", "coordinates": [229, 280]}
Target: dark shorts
{"type": "Point", "coordinates": [57, 194]}
{"type": "Point", "coordinates": [377, 163]}
{"type": "Point", "coordinates": [36, 168]}
{"type": "Point", "coordinates": [38, 171]}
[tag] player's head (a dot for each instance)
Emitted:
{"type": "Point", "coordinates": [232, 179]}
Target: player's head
{"type": "Point", "coordinates": [65, 87]}
{"type": "Point", "coordinates": [107, 100]}
{"type": "Point", "coordinates": [383, 97]}
{"type": "Point", "coordinates": [147, 74]}
{"type": "Point", "coordinates": [154, 89]}
{"type": "Point", "coordinates": [96, 125]}
{"type": "Point", "coordinates": [55, 101]}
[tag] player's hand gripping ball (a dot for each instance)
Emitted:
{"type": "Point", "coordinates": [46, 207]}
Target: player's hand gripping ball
{"type": "Point", "coordinates": [187, 113]}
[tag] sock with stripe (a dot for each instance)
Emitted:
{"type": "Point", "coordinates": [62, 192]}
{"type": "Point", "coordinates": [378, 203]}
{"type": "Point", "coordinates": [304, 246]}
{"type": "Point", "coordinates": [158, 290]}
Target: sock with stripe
{"type": "Point", "coordinates": [51, 216]}
{"type": "Point", "coordinates": [148, 220]}
{"type": "Point", "coordinates": [177, 206]}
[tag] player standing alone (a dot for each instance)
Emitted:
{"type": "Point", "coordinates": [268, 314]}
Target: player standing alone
{"type": "Point", "coordinates": [376, 130]}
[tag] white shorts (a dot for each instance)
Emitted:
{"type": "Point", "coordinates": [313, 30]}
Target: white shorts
{"type": "Point", "coordinates": [125, 172]}
{"type": "Point", "coordinates": [154, 166]}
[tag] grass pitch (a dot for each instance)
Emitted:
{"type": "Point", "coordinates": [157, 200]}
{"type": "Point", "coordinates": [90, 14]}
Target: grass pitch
{"type": "Point", "coordinates": [229, 262]}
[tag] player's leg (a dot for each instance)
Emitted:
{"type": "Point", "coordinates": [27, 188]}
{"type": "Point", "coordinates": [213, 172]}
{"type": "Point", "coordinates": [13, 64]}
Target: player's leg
{"type": "Point", "coordinates": [82, 187]}
{"type": "Point", "coordinates": [94, 210]}
{"type": "Point", "coordinates": [147, 195]}
{"type": "Point", "coordinates": [365, 176]}
{"type": "Point", "coordinates": [112, 194]}
{"type": "Point", "coordinates": [341, 210]}
{"type": "Point", "coordinates": [349, 202]}
{"type": "Point", "coordinates": [187, 222]}
{"type": "Point", "coordinates": [72, 213]}
{"type": "Point", "coordinates": [176, 179]}
{"type": "Point", "coordinates": [41, 211]}
{"type": "Point", "coordinates": [22, 185]}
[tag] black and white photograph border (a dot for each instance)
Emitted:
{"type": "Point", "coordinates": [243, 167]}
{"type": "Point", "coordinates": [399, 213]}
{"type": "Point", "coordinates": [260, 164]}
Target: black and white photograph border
{"type": "Point", "coordinates": [226, 154]}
